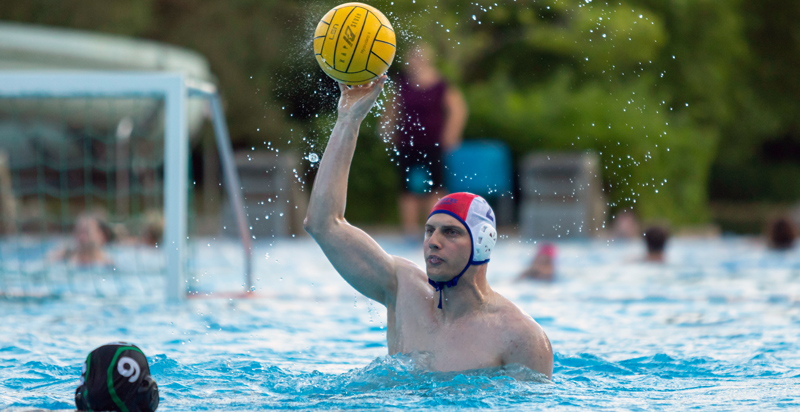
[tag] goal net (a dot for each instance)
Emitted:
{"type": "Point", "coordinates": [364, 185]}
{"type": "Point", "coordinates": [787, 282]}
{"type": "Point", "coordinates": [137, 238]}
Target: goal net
{"type": "Point", "coordinates": [96, 189]}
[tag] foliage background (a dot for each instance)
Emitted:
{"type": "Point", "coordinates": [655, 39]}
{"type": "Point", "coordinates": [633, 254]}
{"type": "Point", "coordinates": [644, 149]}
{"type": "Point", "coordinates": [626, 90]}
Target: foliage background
{"type": "Point", "coordinates": [700, 94]}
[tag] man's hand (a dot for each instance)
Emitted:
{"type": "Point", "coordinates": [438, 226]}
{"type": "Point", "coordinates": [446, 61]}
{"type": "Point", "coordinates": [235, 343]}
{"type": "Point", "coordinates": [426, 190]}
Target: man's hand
{"type": "Point", "coordinates": [356, 101]}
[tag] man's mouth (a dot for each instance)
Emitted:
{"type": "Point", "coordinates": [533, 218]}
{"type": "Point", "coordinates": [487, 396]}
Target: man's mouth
{"type": "Point", "coordinates": [435, 260]}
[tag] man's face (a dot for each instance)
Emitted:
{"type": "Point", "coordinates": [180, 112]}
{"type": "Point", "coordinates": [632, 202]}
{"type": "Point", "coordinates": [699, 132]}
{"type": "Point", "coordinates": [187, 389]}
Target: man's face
{"type": "Point", "coordinates": [447, 247]}
{"type": "Point", "coordinates": [88, 234]}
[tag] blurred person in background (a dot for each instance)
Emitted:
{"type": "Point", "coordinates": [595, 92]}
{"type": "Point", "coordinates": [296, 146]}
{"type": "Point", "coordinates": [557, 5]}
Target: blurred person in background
{"type": "Point", "coordinates": [89, 238]}
{"type": "Point", "coordinates": [781, 233]}
{"type": "Point", "coordinates": [795, 215]}
{"type": "Point", "coordinates": [543, 265]}
{"type": "Point", "coordinates": [153, 229]}
{"type": "Point", "coordinates": [655, 237]}
{"type": "Point", "coordinates": [625, 225]}
{"type": "Point", "coordinates": [150, 234]}
{"type": "Point", "coordinates": [426, 124]}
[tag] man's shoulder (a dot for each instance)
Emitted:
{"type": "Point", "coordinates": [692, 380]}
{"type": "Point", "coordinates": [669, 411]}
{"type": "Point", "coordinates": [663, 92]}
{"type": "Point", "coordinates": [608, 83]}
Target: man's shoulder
{"type": "Point", "coordinates": [412, 281]}
{"type": "Point", "coordinates": [524, 341]}
{"type": "Point", "coordinates": [518, 327]}
{"type": "Point", "coordinates": [408, 270]}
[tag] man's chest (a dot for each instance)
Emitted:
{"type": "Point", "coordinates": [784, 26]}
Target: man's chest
{"type": "Point", "coordinates": [468, 344]}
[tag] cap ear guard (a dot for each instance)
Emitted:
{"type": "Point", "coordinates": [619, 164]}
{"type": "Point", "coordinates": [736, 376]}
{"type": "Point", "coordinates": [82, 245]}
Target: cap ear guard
{"type": "Point", "coordinates": [485, 239]}
{"type": "Point", "coordinates": [147, 395]}
{"type": "Point", "coordinates": [81, 403]}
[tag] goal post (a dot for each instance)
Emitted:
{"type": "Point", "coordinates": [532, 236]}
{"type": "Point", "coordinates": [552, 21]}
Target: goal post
{"type": "Point", "coordinates": [175, 90]}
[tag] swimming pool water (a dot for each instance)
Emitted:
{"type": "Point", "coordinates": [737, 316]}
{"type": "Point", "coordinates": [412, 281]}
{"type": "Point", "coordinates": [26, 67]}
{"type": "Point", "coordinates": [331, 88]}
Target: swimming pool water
{"type": "Point", "coordinates": [715, 328]}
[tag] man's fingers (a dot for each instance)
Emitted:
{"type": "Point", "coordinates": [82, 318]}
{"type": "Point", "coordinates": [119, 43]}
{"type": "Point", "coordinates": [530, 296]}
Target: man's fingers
{"type": "Point", "coordinates": [379, 81]}
{"type": "Point", "coordinates": [378, 84]}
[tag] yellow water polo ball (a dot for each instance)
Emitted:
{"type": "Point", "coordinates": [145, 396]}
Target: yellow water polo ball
{"type": "Point", "coordinates": [354, 43]}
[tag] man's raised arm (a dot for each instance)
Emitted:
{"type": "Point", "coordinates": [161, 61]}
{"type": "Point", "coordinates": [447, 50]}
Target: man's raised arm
{"type": "Point", "coordinates": [354, 254]}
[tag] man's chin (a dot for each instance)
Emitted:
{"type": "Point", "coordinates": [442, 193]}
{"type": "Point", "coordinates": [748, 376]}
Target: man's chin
{"type": "Point", "coordinates": [437, 275]}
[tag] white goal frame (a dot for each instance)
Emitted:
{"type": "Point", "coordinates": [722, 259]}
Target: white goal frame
{"type": "Point", "coordinates": [172, 87]}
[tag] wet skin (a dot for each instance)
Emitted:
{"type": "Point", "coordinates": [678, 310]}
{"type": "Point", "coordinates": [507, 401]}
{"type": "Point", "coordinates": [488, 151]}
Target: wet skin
{"type": "Point", "coordinates": [476, 327]}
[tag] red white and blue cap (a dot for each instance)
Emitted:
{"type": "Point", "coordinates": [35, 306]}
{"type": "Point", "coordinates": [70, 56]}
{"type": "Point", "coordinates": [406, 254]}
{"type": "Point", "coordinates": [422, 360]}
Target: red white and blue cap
{"type": "Point", "coordinates": [477, 216]}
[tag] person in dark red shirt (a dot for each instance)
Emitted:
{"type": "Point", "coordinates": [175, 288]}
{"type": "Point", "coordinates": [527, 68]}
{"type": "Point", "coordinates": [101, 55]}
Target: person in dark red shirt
{"type": "Point", "coordinates": [426, 124]}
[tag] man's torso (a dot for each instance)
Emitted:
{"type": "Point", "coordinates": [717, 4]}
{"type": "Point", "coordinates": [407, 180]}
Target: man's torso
{"type": "Point", "coordinates": [470, 342]}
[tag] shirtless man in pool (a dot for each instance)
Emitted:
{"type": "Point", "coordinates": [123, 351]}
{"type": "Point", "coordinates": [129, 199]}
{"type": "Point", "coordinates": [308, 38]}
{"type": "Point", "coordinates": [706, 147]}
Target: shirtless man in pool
{"type": "Point", "coordinates": [447, 310]}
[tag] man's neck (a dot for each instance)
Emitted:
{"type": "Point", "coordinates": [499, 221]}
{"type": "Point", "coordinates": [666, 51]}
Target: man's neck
{"type": "Point", "coordinates": [470, 294]}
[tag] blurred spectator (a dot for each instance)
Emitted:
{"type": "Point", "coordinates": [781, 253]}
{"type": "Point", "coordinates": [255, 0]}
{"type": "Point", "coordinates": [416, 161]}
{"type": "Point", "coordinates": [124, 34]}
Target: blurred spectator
{"type": "Point", "coordinates": [781, 233]}
{"type": "Point", "coordinates": [542, 267]}
{"type": "Point", "coordinates": [90, 236]}
{"type": "Point", "coordinates": [150, 234]}
{"type": "Point", "coordinates": [655, 237]}
{"type": "Point", "coordinates": [625, 225]}
{"type": "Point", "coordinates": [795, 215]}
{"type": "Point", "coordinates": [427, 123]}
{"type": "Point", "coordinates": [153, 229]}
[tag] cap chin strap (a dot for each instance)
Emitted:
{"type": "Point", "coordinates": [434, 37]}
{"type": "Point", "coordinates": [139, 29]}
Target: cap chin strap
{"type": "Point", "coordinates": [439, 286]}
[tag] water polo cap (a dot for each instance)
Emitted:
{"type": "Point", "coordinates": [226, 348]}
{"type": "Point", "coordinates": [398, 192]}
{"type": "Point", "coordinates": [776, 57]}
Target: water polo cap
{"type": "Point", "coordinates": [477, 216]}
{"type": "Point", "coordinates": [116, 377]}
{"type": "Point", "coordinates": [547, 249]}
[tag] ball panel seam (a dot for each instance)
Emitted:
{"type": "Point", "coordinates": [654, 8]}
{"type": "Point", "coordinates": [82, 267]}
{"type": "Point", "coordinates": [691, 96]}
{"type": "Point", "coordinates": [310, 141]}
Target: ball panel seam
{"type": "Point", "coordinates": [339, 36]}
{"type": "Point", "coordinates": [355, 49]}
{"type": "Point", "coordinates": [376, 55]}
{"type": "Point", "coordinates": [322, 49]}
{"type": "Point", "coordinates": [386, 42]}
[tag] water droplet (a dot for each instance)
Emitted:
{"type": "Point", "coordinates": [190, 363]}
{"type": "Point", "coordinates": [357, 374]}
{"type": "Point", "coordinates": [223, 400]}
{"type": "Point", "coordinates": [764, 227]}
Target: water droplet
{"type": "Point", "coordinates": [252, 288]}
{"type": "Point", "coordinates": [313, 157]}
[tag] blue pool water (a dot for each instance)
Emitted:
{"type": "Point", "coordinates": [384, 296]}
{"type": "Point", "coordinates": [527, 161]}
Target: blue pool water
{"type": "Point", "coordinates": [715, 328]}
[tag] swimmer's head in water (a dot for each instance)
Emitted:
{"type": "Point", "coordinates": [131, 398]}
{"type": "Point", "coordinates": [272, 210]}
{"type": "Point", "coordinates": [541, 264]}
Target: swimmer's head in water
{"type": "Point", "coordinates": [116, 377]}
{"type": "Point", "coordinates": [477, 218]}
{"type": "Point", "coordinates": [91, 232]}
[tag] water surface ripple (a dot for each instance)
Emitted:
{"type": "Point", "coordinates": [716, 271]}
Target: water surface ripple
{"type": "Point", "coordinates": [715, 328]}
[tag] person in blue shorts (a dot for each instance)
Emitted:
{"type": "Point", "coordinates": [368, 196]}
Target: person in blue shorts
{"type": "Point", "coordinates": [426, 125]}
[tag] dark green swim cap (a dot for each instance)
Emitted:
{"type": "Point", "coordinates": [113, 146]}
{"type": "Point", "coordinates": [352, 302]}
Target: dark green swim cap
{"type": "Point", "coordinates": [116, 377]}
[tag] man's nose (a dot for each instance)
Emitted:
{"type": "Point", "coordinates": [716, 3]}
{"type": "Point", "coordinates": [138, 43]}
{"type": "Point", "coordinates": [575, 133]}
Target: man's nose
{"type": "Point", "coordinates": [433, 241]}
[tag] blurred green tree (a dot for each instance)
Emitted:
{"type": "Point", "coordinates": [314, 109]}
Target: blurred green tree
{"type": "Point", "coordinates": [666, 92]}
{"type": "Point", "coordinates": [645, 84]}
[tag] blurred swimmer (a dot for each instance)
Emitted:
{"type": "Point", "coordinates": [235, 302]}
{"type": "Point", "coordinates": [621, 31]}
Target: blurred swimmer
{"type": "Point", "coordinates": [542, 267]}
{"type": "Point", "coordinates": [781, 233]}
{"type": "Point", "coordinates": [473, 326]}
{"type": "Point", "coordinates": [655, 237]}
{"type": "Point", "coordinates": [150, 234]}
{"type": "Point", "coordinates": [90, 236]}
{"type": "Point", "coordinates": [625, 225]}
{"type": "Point", "coordinates": [153, 230]}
